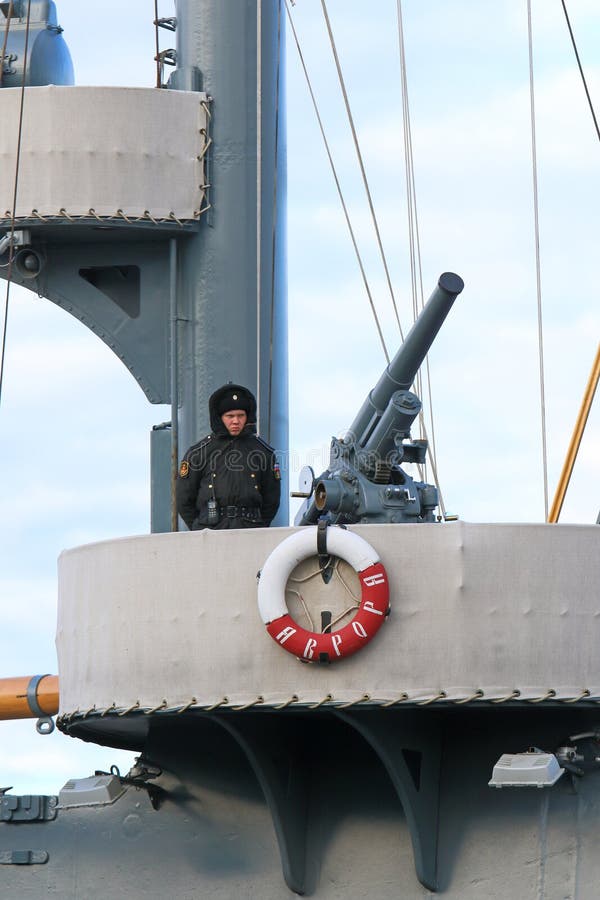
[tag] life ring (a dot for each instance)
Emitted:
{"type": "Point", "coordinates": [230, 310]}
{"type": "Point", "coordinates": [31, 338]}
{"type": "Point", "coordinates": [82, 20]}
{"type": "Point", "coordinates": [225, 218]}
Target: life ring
{"type": "Point", "coordinates": [374, 602]}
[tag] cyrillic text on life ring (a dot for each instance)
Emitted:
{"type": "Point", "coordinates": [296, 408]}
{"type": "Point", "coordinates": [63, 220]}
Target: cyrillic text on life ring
{"type": "Point", "coordinates": [374, 603]}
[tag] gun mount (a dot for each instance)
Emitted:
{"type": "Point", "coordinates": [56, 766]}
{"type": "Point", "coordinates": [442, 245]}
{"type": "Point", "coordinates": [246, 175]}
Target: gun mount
{"type": "Point", "coordinates": [365, 481]}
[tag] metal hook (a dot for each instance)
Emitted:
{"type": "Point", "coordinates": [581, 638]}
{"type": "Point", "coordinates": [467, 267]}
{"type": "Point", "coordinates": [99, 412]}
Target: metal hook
{"type": "Point", "coordinates": [45, 725]}
{"type": "Point", "coordinates": [325, 562]}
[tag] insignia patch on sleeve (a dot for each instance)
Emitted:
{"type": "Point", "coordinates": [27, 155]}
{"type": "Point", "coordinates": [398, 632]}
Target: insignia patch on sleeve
{"type": "Point", "coordinates": [184, 469]}
{"type": "Point", "coordinates": [276, 471]}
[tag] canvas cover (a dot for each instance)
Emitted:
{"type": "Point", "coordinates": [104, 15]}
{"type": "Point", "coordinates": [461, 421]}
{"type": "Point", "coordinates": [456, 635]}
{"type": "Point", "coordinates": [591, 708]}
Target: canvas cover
{"type": "Point", "coordinates": [475, 608]}
{"type": "Point", "coordinates": [104, 149]}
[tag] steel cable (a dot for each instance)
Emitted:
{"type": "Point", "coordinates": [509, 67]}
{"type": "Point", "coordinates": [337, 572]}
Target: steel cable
{"type": "Point", "coordinates": [157, 43]}
{"type": "Point", "coordinates": [414, 238]}
{"type": "Point", "coordinates": [338, 185]}
{"type": "Point", "coordinates": [587, 93]}
{"type": "Point", "coordinates": [361, 162]}
{"type": "Point", "coordinates": [538, 276]}
{"type": "Point", "coordinates": [416, 269]}
{"type": "Point", "coordinates": [14, 206]}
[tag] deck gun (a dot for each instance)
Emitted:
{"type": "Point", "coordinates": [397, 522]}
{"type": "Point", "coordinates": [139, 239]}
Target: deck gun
{"type": "Point", "coordinates": [365, 481]}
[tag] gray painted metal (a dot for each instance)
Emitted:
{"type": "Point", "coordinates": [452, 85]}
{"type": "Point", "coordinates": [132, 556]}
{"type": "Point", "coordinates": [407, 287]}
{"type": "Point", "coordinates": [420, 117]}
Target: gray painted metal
{"type": "Point", "coordinates": [45, 723]}
{"type": "Point", "coordinates": [160, 485]}
{"type": "Point", "coordinates": [134, 324]}
{"type": "Point", "coordinates": [27, 809]}
{"type": "Point", "coordinates": [214, 833]}
{"type": "Point", "coordinates": [286, 789]}
{"type": "Point", "coordinates": [365, 481]}
{"type": "Point", "coordinates": [170, 474]}
{"type": "Point", "coordinates": [410, 749]}
{"type": "Point", "coordinates": [32, 699]}
{"type": "Point", "coordinates": [48, 57]}
{"type": "Point", "coordinates": [324, 786]}
{"type": "Point", "coordinates": [97, 790]}
{"type": "Point", "coordinates": [232, 299]}
{"type": "Point", "coordinates": [400, 373]}
{"type": "Point", "coordinates": [231, 284]}
{"type": "Point", "coordinates": [23, 857]}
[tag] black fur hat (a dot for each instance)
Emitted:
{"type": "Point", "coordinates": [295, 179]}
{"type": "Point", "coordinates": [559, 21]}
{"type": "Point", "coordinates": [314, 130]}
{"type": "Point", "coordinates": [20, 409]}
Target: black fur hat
{"type": "Point", "coordinates": [228, 397]}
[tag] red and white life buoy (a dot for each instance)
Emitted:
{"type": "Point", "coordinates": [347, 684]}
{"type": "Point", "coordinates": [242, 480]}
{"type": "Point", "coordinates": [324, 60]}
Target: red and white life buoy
{"type": "Point", "coordinates": [374, 603]}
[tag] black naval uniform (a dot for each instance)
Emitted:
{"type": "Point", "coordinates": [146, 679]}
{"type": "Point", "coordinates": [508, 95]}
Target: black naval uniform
{"type": "Point", "coordinates": [226, 481]}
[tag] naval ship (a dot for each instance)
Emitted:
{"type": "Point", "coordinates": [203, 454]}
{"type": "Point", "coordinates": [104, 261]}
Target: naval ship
{"type": "Point", "coordinates": [348, 762]}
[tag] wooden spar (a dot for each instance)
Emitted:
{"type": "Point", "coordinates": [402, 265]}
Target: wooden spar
{"type": "Point", "coordinates": [19, 696]}
{"type": "Point", "coordinates": [565, 475]}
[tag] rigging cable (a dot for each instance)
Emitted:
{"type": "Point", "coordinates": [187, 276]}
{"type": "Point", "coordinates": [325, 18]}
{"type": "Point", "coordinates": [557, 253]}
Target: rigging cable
{"type": "Point", "coordinates": [357, 252]}
{"type": "Point", "coordinates": [411, 207]}
{"type": "Point", "coordinates": [14, 206]}
{"type": "Point", "coordinates": [361, 164]}
{"type": "Point", "coordinates": [338, 185]}
{"type": "Point", "coordinates": [587, 93]}
{"type": "Point", "coordinates": [157, 43]}
{"type": "Point", "coordinates": [537, 260]}
{"type": "Point", "coordinates": [408, 164]}
{"type": "Point", "coordinates": [408, 168]}
{"type": "Point", "coordinates": [415, 249]}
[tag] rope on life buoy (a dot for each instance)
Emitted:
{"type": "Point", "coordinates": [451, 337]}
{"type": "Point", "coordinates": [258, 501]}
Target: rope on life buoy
{"type": "Point", "coordinates": [312, 646]}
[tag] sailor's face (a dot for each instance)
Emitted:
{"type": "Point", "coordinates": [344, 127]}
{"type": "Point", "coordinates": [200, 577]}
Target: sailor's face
{"type": "Point", "coordinates": [234, 421]}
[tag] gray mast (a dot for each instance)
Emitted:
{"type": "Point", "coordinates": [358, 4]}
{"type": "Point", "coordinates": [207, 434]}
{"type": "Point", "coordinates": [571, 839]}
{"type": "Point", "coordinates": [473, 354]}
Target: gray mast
{"type": "Point", "coordinates": [232, 273]}
{"type": "Point", "coordinates": [207, 291]}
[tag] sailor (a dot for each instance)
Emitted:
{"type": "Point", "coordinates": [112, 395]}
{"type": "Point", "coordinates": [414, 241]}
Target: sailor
{"type": "Point", "coordinates": [231, 478]}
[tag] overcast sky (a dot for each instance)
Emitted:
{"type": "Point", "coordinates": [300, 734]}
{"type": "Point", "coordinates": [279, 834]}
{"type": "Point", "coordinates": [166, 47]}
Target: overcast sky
{"type": "Point", "coordinates": [74, 446]}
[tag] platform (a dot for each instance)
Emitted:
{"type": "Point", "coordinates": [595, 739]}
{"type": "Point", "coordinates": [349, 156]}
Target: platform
{"type": "Point", "coordinates": [479, 614]}
{"type": "Point", "coordinates": [92, 154]}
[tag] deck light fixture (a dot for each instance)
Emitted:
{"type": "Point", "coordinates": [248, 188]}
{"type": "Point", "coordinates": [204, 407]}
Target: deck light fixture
{"type": "Point", "coordinates": [535, 768]}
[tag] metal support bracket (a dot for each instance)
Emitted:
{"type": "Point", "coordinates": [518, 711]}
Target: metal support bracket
{"type": "Point", "coordinates": [410, 750]}
{"type": "Point", "coordinates": [6, 61]}
{"type": "Point", "coordinates": [169, 22]}
{"type": "Point", "coordinates": [23, 857]}
{"type": "Point", "coordinates": [274, 747]}
{"type": "Point", "coordinates": [45, 723]}
{"type": "Point", "coordinates": [325, 563]}
{"type": "Point", "coordinates": [28, 808]}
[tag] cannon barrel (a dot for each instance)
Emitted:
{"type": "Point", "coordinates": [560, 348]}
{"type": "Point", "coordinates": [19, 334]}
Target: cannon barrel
{"type": "Point", "coordinates": [400, 373]}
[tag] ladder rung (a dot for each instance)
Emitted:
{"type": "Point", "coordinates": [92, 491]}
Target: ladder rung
{"type": "Point", "coordinates": [170, 23]}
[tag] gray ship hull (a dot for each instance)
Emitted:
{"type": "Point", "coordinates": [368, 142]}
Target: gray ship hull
{"type": "Point", "coordinates": [213, 833]}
